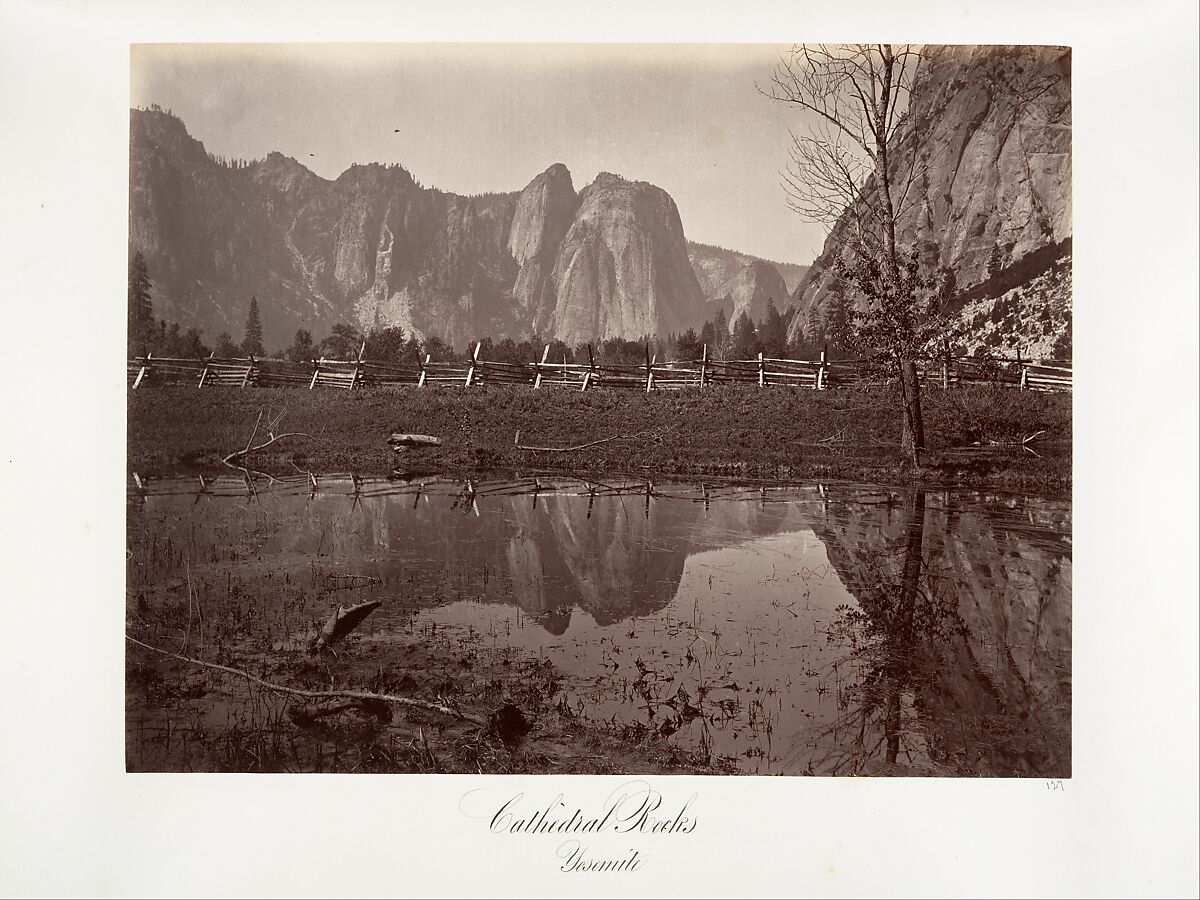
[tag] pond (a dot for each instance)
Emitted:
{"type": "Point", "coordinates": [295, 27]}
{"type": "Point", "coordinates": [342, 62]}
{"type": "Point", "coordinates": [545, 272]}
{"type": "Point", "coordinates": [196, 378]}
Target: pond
{"type": "Point", "coordinates": [825, 628]}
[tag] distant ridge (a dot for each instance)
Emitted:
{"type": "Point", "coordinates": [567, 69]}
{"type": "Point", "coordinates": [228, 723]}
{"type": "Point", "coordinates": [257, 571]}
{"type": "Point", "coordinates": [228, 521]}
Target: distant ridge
{"type": "Point", "coordinates": [373, 247]}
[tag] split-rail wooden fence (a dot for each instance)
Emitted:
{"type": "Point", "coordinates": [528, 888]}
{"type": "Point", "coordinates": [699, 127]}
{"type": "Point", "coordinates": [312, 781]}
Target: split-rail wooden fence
{"type": "Point", "coordinates": [819, 374]}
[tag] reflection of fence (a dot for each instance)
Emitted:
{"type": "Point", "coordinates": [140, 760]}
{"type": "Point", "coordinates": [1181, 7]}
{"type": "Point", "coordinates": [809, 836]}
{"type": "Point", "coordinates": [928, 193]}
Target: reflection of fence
{"type": "Point", "coordinates": [463, 493]}
{"type": "Point", "coordinates": [819, 374]}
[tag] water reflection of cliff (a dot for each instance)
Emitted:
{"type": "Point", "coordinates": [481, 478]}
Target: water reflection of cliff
{"type": "Point", "coordinates": [956, 653]}
{"type": "Point", "coordinates": [611, 555]}
{"type": "Point", "coordinates": [964, 632]}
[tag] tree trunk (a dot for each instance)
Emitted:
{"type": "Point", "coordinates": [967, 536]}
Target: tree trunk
{"type": "Point", "coordinates": [912, 435]}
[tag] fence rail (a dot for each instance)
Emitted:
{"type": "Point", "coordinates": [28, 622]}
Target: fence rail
{"type": "Point", "coordinates": [820, 374]}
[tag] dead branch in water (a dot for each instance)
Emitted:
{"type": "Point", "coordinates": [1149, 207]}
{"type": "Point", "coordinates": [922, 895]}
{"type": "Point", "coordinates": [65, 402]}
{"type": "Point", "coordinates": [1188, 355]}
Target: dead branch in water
{"type": "Point", "coordinates": [341, 622]}
{"type": "Point", "coordinates": [985, 445]}
{"type": "Point", "coordinates": [279, 437]}
{"type": "Point", "coordinates": [317, 695]}
{"type": "Point", "coordinates": [607, 440]}
{"type": "Point", "coordinates": [272, 424]}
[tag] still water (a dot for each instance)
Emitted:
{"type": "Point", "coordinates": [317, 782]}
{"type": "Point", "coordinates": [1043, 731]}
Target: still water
{"type": "Point", "coordinates": [827, 628]}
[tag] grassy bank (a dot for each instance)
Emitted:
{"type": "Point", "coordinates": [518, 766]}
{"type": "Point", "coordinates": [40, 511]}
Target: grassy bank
{"type": "Point", "coordinates": [735, 432]}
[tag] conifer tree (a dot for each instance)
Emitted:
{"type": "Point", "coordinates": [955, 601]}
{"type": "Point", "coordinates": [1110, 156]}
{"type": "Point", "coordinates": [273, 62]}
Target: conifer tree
{"type": "Point", "coordinates": [141, 310]}
{"type": "Point", "coordinates": [745, 337]}
{"type": "Point", "coordinates": [302, 349]}
{"type": "Point", "coordinates": [226, 348]}
{"type": "Point", "coordinates": [721, 329]}
{"type": "Point", "coordinates": [252, 343]}
{"type": "Point", "coordinates": [773, 333]}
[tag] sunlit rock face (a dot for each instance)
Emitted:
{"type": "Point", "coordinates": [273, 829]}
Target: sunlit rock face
{"type": "Point", "coordinates": [982, 635]}
{"type": "Point", "coordinates": [622, 269]}
{"type": "Point", "coordinates": [989, 134]}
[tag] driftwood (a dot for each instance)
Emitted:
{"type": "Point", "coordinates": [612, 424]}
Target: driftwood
{"type": "Point", "coordinates": [315, 695]}
{"type": "Point", "coordinates": [341, 622]}
{"type": "Point", "coordinates": [401, 442]}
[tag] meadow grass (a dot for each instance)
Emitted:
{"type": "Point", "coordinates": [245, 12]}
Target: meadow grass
{"type": "Point", "coordinates": [740, 432]}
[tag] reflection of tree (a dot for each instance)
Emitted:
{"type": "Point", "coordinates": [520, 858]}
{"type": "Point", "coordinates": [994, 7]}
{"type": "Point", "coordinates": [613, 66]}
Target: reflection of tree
{"type": "Point", "coordinates": [898, 614]}
{"type": "Point", "coordinates": [935, 692]}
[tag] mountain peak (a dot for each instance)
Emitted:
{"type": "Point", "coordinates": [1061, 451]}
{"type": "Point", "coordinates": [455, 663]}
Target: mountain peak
{"type": "Point", "coordinates": [374, 248]}
{"type": "Point", "coordinates": [611, 179]}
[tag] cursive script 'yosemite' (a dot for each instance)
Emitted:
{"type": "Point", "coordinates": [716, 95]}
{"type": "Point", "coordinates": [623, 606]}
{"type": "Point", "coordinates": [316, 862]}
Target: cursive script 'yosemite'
{"type": "Point", "coordinates": [574, 855]}
{"type": "Point", "coordinates": [635, 807]}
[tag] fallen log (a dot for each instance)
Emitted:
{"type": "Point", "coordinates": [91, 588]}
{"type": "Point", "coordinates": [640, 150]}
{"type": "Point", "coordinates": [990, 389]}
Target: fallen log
{"type": "Point", "coordinates": [402, 442]}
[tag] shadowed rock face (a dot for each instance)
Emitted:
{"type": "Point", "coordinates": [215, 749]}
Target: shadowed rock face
{"type": "Point", "coordinates": [991, 131]}
{"type": "Point", "coordinates": [748, 290]}
{"type": "Point", "coordinates": [545, 211]}
{"type": "Point", "coordinates": [715, 266]}
{"type": "Point", "coordinates": [375, 248]}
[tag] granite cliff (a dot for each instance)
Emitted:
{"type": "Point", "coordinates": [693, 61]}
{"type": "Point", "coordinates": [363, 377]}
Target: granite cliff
{"type": "Point", "coordinates": [735, 282]}
{"type": "Point", "coordinates": [375, 248]}
{"type": "Point", "coordinates": [988, 131]}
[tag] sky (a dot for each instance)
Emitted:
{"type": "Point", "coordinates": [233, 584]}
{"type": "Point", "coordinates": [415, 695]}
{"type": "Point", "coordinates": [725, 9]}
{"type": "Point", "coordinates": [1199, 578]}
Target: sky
{"type": "Point", "coordinates": [489, 117]}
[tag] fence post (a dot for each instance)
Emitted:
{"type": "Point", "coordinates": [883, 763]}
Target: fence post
{"type": "Point", "coordinates": [316, 373]}
{"type": "Point", "coordinates": [946, 367]}
{"type": "Point", "coordinates": [537, 381]}
{"type": "Point", "coordinates": [421, 379]}
{"type": "Point", "coordinates": [704, 368]}
{"type": "Point", "coordinates": [650, 369]}
{"type": "Point", "coordinates": [249, 369]}
{"type": "Point", "coordinates": [822, 375]}
{"type": "Point", "coordinates": [142, 371]}
{"type": "Point", "coordinates": [762, 375]}
{"type": "Point", "coordinates": [587, 378]}
{"type": "Point", "coordinates": [358, 361]}
{"type": "Point", "coordinates": [1024, 369]}
{"type": "Point", "coordinates": [474, 362]}
{"type": "Point", "coordinates": [204, 371]}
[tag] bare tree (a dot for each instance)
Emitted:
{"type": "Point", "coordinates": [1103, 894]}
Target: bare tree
{"type": "Point", "coordinates": [848, 172]}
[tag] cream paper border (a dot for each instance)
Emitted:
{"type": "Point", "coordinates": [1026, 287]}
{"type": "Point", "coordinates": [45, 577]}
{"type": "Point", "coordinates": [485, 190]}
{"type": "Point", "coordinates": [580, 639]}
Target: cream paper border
{"type": "Point", "coordinates": [74, 823]}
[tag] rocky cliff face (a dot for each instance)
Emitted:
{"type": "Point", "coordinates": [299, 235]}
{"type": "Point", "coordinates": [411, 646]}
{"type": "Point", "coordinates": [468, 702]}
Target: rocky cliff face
{"type": "Point", "coordinates": [544, 213]}
{"type": "Point", "coordinates": [735, 282]}
{"type": "Point", "coordinates": [989, 129]}
{"type": "Point", "coordinates": [622, 269]}
{"type": "Point", "coordinates": [375, 248]}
